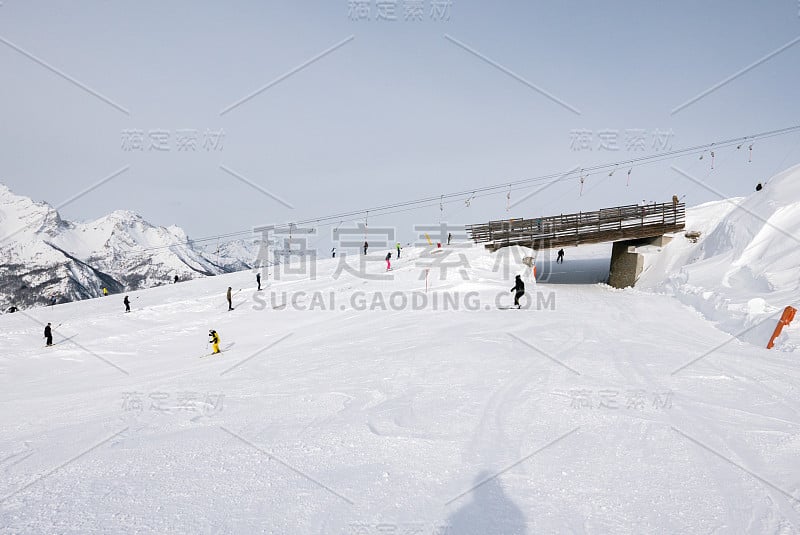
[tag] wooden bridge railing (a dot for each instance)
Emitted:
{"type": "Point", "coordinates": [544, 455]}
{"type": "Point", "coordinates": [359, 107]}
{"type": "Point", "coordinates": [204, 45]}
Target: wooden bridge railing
{"type": "Point", "coordinates": [606, 224]}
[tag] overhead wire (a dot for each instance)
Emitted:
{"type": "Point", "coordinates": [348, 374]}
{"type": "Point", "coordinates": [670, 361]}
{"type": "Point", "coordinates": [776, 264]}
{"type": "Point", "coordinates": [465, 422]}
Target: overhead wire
{"type": "Point", "coordinates": [504, 187]}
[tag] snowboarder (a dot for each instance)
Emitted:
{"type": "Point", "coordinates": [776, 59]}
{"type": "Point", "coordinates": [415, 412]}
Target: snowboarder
{"type": "Point", "coordinates": [449, 237]}
{"type": "Point", "coordinates": [176, 280]}
{"type": "Point", "coordinates": [365, 247]}
{"type": "Point", "coordinates": [398, 250]}
{"type": "Point", "coordinates": [127, 304]}
{"type": "Point", "coordinates": [333, 252]}
{"type": "Point", "coordinates": [48, 334]}
{"type": "Point", "coordinates": [388, 261]}
{"type": "Point", "coordinates": [560, 259]}
{"type": "Point", "coordinates": [759, 187]}
{"type": "Point", "coordinates": [230, 299]}
{"type": "Point", "coordinates": [258, 280]}
{"type": "Point", "coordinates": [105, 291]}
{"type": "Point", "coordinates": [519, 288]}
{"type": "Point", "coordinates": [214, 339]}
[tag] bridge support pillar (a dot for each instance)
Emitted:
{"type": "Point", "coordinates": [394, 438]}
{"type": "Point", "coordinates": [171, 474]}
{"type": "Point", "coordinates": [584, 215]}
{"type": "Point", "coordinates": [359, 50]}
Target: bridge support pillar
{"type": "Point", "coordinates": [626, 263]}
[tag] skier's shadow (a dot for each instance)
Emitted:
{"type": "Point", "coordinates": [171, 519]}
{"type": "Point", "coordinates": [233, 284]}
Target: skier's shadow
{"type": "Point", "coordinates": [490, 511]}
{"type": "Point", "coordinates": [63, 340]}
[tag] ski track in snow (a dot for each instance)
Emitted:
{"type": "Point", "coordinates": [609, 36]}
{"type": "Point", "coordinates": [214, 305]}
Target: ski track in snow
{"type": "Point", "coordinates": [363, 419]}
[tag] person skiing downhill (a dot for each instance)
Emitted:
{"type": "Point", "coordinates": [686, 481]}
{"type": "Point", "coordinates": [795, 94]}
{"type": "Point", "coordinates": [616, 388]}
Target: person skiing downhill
{"type": "Point", "coordinates": [230, 299]}
{"type": "Point", "coordinates": [127, 304]}
{"type": "Point", "coordinates": [333, 252]}
{"type": "Point", "coordinates": [214, 339]}
{"type": "Point", "coordinates": [519, 288]}
{"type": "Point", "coordinates": [560, 259]}
{"type": "Point", "coordinates": [388, 261]}
{"type": "Point", "coordinates": [48, 334]}
{"type": "Point", "coordinates": [258, 280]}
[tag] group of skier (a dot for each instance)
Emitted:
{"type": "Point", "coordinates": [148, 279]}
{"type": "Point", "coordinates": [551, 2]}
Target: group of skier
{"type": "Point", "coordinates": [214, 339]}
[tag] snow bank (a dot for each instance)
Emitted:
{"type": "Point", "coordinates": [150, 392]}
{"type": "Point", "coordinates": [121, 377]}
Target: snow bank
{"type": "Point", "coordinates": [743, 270]}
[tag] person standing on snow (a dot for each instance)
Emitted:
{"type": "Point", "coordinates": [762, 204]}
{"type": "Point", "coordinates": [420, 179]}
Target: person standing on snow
{"type": "Point", "coordinates": [365, 247]}
{"type": "Point", "coordinates": [127, 304]}
{"type": "Point", "coordinates": [258, 280]}
{"type": "Point", "coordinates": [388, 261]}
{"type": "Point", "coordinates": [176, 279]}
{"type": "Point", "coordinates": [398, 250]}
{"type": "Point", "coordinates": [230, 299]}
{"type": "Point", "coordinates": [48, 334]}
{"type": "Point", "coordinates": [333, 252]}
{"type": "Point", "coordinates": [519, 288]}
{"type": "Point", "coordinates": [214, 339]}
{"type": "Point", "coordinates": [105, 291]}
{"type": "Point", "coordinates": [560, 259]}
{"type": "Point", "coordinates": [449, 237]}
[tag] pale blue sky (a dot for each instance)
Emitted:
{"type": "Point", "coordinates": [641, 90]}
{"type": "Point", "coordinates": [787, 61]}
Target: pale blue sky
{"type": "Point", "coordinates": [396, 113]}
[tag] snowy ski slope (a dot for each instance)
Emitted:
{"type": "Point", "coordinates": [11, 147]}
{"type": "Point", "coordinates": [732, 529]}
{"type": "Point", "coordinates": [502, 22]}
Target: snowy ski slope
{"type": "Point", "coordinates": [345, 402]}
{"type": "Point", "coordinates": [577, 415]}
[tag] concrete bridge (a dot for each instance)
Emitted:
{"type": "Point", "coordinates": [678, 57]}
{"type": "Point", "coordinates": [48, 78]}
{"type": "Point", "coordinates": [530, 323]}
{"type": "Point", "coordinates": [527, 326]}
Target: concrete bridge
{"type": "Point", "coordinates": [627, 227]}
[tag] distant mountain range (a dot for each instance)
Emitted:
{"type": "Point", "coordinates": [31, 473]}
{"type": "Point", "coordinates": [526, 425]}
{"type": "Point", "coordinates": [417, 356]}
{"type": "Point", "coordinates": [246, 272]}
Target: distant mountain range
{"type": "Point", "coordinates": [44, 257]}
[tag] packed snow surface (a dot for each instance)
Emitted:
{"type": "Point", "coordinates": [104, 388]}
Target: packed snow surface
{"type": "Point", "coordinates": [345, 411]}
{"type": "Point", "coordinates": [344, 402]}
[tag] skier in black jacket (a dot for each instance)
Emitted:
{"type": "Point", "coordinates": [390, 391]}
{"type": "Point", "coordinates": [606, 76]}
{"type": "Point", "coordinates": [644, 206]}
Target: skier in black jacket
{"type": "Point", "coordinates": [48, 333]}
{"type": "Point", "coordinates": [519, 288]}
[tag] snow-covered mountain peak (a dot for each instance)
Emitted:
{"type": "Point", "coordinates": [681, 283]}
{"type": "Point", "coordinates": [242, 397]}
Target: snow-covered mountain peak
{"type": "Point", "coordinates": [23, 217]}
{"type": "Point", "coordinates": [45, 258]}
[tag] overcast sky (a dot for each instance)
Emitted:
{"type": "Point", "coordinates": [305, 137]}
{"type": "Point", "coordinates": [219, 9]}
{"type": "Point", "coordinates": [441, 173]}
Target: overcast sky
{"type": "Point", "coordinates": [403, 99]}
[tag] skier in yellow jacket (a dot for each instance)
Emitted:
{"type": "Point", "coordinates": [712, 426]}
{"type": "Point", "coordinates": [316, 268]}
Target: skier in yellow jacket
{"type": "Point", "coordinates": [214, 340]}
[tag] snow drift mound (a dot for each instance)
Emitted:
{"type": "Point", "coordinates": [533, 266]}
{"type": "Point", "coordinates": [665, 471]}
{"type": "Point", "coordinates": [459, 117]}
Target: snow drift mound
{"type": "Point", "coordinates": [743, 270]}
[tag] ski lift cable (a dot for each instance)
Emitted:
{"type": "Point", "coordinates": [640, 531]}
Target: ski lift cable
{"type": "Point", "coordinates": [403, 209]}
{"type": "Point", "coordinates": [514, 185]}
